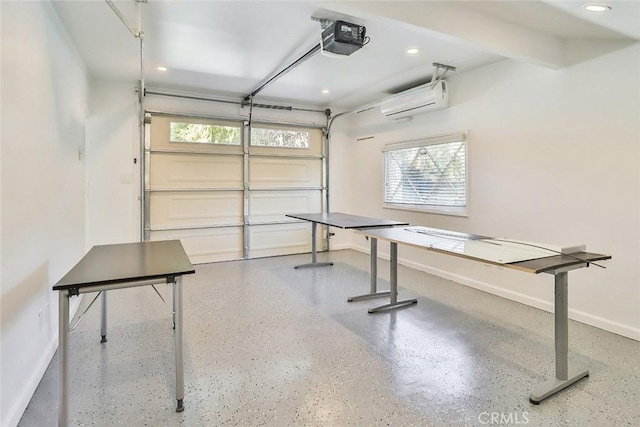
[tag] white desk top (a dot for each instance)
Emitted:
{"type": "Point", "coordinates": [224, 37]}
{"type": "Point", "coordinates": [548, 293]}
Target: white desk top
{"type": "Point", "coordinates": [512, 254]}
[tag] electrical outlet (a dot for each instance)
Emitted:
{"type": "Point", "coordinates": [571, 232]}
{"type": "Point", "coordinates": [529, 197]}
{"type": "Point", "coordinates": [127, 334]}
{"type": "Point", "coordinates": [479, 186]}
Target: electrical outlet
{"type": "Point", "coordinates": [125, 179]}
{"type": "Point", "coordinates": [40, 320]}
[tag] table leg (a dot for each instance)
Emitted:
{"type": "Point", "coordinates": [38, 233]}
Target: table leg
{"type": "Point", "coordinates": [103, 320]}
{"type": "Point", "coordinates": [173, 312]}
{"type": "Point", "coordinates": [179, 343]}
{"type": "Point", "coordinates": [63, 354]}
{"type": "Point", "coordinates": [394, 303]}
{"type": "Point", "coordinates": [564, 376]}
{"type": "Point", "coordinates": [314, 252]}
{"type": "Point", "coordinates": [374, 276]}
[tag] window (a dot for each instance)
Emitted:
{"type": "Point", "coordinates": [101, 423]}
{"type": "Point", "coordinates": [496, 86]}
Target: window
{"type": "Point", "coordinates": [266, 137]}
{"type": "Point", "coordinates": [428, 175]}
{"type": "Point", "coordinates": [205, 133]}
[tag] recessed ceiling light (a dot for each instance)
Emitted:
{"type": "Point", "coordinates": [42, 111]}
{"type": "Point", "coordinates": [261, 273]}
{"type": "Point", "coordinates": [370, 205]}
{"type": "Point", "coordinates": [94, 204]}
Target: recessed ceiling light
{"type": "Point", "coordinates": [412, 51]}
{"type": "Point", "coordinates": [161, 68]}
{"type": "Point", "coordinates": [325, 91]}
{"type": "Point", "coordinates": [597, 8]}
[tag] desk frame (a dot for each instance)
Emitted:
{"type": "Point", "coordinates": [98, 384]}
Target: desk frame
{"type": "Point", "coordinates": [559, 266]}
{"type": "Point", "coordinates": [373, 268]}
{"type": "Point", "coordinates": [345, 222]}
{"type": "Point", "coordinates": [314, 250]}
{"type": "Point", "coordinates": [393, 281]}
{"type": "Point", "coordinates": [565, 377]}
{"type": "Point", "coordinates": [66, 291]}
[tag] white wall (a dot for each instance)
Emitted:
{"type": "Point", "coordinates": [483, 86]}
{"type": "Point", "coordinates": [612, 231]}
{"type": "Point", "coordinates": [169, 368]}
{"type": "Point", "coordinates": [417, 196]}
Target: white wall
{"type": "Point", "coordinates": [554, 157]}
{"type": "Point", "coordinates": [113, 179]}
{"type": "Point", "coordinates": [343, 165]}
{"type": "Point", "coordinates": [44, 90]}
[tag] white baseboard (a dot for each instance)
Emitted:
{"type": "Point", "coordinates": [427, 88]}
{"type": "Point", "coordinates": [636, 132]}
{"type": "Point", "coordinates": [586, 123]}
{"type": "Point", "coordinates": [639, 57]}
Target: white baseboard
{"type": "Point", "coordinates": [341, 246]}
{"type": "Point", "coordinates": [20, 404]}
{"type": "Point", "coordinates": [605, 324]}
{"type": "Point", "coordinates": [24, 397]}
{"type": "Point", "coordinates": [577, 315]}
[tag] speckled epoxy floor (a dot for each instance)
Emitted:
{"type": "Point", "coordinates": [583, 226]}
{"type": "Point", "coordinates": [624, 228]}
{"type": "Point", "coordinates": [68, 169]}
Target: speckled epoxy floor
{"type": "Point", "coordinates": [269, 345]}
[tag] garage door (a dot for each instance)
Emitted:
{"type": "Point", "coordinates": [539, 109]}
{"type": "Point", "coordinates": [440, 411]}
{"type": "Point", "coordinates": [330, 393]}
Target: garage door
{"type": "Point", "coordinates": [224, 187]}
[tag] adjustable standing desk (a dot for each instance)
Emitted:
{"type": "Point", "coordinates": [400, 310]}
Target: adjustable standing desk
{"type": "Point", "coordinates": [347, 221]}
{"type": "Point", "coordinates": [110, 267]}
{"type": "Point", "coordinates": [523, 256]}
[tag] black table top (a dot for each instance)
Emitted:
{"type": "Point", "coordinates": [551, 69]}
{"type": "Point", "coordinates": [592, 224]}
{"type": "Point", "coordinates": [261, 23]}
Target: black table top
{"type": "Point", "coordinates": [341, 220]}
{"type": "Point", "coordinates": [127, 262]}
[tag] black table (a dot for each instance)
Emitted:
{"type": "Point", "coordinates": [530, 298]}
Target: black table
{"type": "Point", "coordinates": [109, 267]}
{"type": "Point", "coordinates": [353, 222]}
{"type": "Point", "coordinates": [339, 220]}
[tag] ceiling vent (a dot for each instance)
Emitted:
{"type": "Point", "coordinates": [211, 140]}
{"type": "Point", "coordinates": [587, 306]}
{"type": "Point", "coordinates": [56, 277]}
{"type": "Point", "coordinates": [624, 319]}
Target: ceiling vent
{"type": "Point", "coordinates": [419, 100]}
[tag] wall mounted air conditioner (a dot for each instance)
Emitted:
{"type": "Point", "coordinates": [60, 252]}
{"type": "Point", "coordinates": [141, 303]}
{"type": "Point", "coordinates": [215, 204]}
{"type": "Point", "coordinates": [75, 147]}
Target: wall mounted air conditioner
{"type": "Point", "coordinates": [418, 100]}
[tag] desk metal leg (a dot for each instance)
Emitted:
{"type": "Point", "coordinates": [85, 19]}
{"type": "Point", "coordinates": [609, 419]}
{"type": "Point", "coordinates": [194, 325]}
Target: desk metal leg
{"type": "Point", "coordinates": [103, 320]}
{"type": "Point", "coordinates": [178, 318]}
{"type": "Point", "coordinates": [394, 303]}
{"type": "Point", "coordinates": [314, 251]}
{"type": "Point", "coordinates": [173, 312]}
{"type": "Point", "coordinates": [564, 376]}
{"type": "Point", "coordinates": [63, 354]}
{"type": "Point", "coordinates": [374, 276]}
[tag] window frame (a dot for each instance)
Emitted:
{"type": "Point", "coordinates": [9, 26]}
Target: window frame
{"type": "Point", "coordinates": [434, 209]}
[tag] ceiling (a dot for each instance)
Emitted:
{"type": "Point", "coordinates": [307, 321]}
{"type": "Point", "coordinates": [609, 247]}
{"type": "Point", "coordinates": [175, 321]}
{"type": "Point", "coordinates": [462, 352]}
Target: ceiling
{"type": "Point", "coordinates": [228, 48]}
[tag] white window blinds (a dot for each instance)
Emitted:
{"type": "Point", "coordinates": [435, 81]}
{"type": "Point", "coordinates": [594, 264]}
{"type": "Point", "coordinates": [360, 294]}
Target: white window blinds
{"type": "Point", "coordinates": [427, 173]}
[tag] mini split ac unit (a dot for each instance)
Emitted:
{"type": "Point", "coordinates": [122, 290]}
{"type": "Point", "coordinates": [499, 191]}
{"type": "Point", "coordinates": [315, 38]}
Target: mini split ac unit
{"type": "Point", "coordinates": [418, 100]}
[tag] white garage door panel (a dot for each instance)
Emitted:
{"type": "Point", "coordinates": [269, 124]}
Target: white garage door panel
{"type": "Point", "coordinates": [195, 208]}
{"type": "Point", "coordinates": [195, 171]}
{"type": "Point", "coordinates": [202, 192]}
{"type": "Point", "coordinates": [284, 172]}
{"type": "Point", "coordinates": [281, 239]}
{"type": "Point", "coordinates": [269, 206]}
{"type": "Point", "coordinates": [207, 245]}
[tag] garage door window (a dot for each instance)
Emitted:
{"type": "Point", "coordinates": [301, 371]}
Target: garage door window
{"type": "Point", "coordinates": [205, 133]}
{"type": "Point", "coordinates": [285, 138]}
